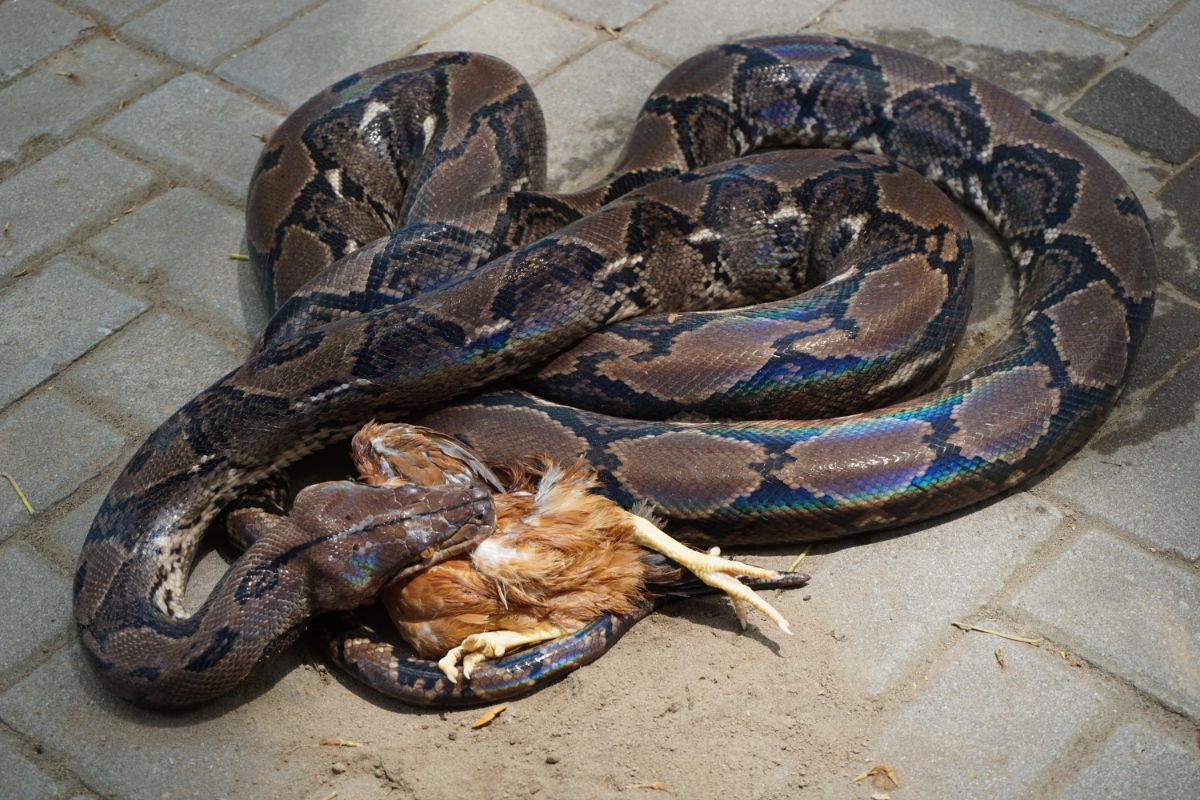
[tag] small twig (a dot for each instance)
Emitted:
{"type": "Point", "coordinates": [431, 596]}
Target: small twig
{"type": "Point", "coordinates": [238, 257]}
{"type": "Point", "coordinates": [329, 796]}
{"type": "Point", "coordinates": [333, 742]}
{"type": "Point", "coordinates": [1011, 637]}
{"type": "Point", "coordinates": [17, 488]}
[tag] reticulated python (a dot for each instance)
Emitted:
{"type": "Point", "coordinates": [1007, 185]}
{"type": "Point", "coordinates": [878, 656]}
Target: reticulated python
{"type": "Point", "coordinates": [399, 218]}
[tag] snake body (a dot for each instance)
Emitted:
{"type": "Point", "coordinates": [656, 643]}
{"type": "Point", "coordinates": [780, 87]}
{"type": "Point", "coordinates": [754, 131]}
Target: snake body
{"type": "Point", "coordinates": [399, 220]}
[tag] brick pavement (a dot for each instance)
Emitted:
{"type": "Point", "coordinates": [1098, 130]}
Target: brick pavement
{"type": "Point", "coordinates": [121, 188]}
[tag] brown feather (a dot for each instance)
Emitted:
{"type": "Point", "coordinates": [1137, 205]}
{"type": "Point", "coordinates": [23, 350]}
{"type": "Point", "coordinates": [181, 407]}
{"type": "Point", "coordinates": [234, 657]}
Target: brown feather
{"type": "Point", "coordinates": [561, 555]}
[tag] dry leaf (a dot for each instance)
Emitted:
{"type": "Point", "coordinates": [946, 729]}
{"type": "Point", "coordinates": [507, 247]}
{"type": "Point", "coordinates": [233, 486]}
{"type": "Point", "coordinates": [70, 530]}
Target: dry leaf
{"type": "Point", "coordinates": [488, 716]}
{"type": "Point", "coordinates": [657, 786]}
{"type": "Point", "coordinates": [107, 31]}
{"type": "Point", "coordinates": [880, 775]}
{"type": "Point", "coordinates": [1000, 657]}
{"type": "Point", "coordinates": [334, 742]}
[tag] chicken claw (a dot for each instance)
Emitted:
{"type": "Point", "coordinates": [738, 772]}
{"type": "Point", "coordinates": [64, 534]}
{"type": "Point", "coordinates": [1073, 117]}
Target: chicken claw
{"type": "Point", "coordinates": [719, 573]}
{"type": "Point", "coordinates": [479, 647]}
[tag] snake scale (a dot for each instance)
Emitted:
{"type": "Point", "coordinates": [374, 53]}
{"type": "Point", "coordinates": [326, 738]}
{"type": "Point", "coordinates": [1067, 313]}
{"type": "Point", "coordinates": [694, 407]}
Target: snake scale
{"type": "Point", "coordinates": [399, 219]}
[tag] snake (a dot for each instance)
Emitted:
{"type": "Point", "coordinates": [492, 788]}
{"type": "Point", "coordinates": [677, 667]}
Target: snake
{"type": "Point", "coordinates": [400, 222]}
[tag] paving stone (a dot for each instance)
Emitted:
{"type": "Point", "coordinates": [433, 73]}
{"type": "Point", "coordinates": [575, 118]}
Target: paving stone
{"type": "Point", "coordinates": [154, 368]}
{"type": "Point", "coordinates": [889, 622]}
{"type": "Point", "coordinates": [1114, 604]}
{"type": "Point", "coordinates": [197, 33]}
{"type": "Point", "coordinates": [21, 778]}
{"type": "Point", "coordinates": [1119, 16]}
{"type": "Point", "coordinates": [50, 446]}
{"type": "Point", "coordinates": [115, 11]}
{"type": "Point", "coordinates": [530, 39]}
{"type": "Point", "coordinates": [1138, 762]}
{"type": "Point", "coordinates": [1175, 221]}
{"type": "Point", "coordinates": [981, 731]}
{"type": "Point", "coordinates": [191, 124]}
{"type": "Point", "coordinates": [194, 125]}
{"type": "Point", "coordinates": [685, 27]}
{"type": "Point", "coordinates": [31, 30]}
{"type": "Point", "coordinates": [214, 752]}
{"type": "Point", "coordinates": [1040, 58]}
{"type": "Point", "coordinates": [72, 189]}
{"type": "Point", "coordinates": [586, 130]}
{"type": "Point", "coordinates": [1152, 100]}
{"type": "Point", "coordinates": [46, 105]}
{"type": "Point", "coordinates": [64, 539]}
{"type": "Point", "coordinates": [1139, 472]}
{"type": "Point", "coordinates": [49, 319]}
{"type": "Point", "coordinates": [338, 38]}
{"type": "Point", "coordinates": [1133, 107]}
{"type": "Point", "coordinates": [184, 239]}
{"type": "Point", "coordinates": [35, 599]}
{"type": "Point", "coordinates": [614, 13]}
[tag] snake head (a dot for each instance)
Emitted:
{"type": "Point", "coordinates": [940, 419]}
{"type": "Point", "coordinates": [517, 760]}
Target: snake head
{"type": "Point", "coordinates": [364, 537]}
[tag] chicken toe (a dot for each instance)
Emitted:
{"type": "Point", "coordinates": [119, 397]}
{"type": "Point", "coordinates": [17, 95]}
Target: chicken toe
{"type": "Point", "coordinates": [711, 568]}
{"type": "Point", "coordinates": [479, 647]}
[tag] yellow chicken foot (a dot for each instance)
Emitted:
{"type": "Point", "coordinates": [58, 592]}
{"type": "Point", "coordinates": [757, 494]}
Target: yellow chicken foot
{"type": "Point", "coordinates": [479, 647]}
{"type": "Point", "coordinates": [719, 573]}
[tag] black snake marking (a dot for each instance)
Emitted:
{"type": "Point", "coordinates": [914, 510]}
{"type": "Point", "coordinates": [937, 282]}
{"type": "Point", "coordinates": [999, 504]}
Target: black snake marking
{"type": "Point", "coordinates": [401, 212]}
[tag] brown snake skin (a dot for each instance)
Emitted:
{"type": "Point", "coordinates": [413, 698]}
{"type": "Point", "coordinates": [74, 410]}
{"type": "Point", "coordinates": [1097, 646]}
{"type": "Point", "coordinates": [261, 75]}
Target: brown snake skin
{"type": "Point", "coordinates": [373, 201]}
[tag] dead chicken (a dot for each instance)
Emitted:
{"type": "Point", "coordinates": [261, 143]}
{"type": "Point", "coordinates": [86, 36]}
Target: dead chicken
{"type": "Point", "coordinates": [561, 554]}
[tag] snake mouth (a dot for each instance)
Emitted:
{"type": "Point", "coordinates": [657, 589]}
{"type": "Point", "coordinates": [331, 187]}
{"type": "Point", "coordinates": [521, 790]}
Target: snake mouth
{"type": "Point", "coordinates": [464, 540]}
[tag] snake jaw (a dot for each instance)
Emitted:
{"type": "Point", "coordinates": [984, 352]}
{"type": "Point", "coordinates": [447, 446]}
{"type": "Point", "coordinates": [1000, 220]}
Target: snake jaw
{"type": "Point", "coordinates": [373, 535]}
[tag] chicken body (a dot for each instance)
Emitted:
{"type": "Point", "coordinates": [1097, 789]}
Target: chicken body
{"type": "Point", "coordinates": [561, 554]}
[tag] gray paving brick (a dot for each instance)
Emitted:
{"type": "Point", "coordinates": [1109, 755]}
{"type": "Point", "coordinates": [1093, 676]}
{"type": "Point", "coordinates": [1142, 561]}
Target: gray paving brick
{"type": "Point", "coordinates": [1138, 762]}
{"type": "Point", "coordinates": [888, 621]}
{"type": "Point", "coordinates": [64, 538]}
{"type": "Point", "coordinates": [1139, 472]}
{"type": "Point", "coordinates": [614, 13]}
{"type": "Point", "coordinates": [35, 599]}
{"type": "Point", "coordinates": [184, 239]}
{"type": "Point", "coordinates": [194, 125]}
{"type": "Point", "coordinates": [47, 105]}
{"type": "Point", "coordinates": [31, 30]}
{"type": "Point", "coordinates": [1114, 604]}
{"type": "Point", "coordinates": [21, 778]}
{"type": "Point", "coordinates": [1175, 220]}
{"type": "Point", "coordinates": [586, 130]}
{"type": "Point", "coordinates": [1039, 58]}
{"type": "Point", "coordinates": [530, 39]}
{"type": "Point", "coordinates": [72, 189]}
{"type": "Point", "coordinates": [685, 27]}
{"type": "Point", "coordinates": [1120, 17]}
{"type": "Point", "coordinates": [115, 11]}
{"type": "Point", "coordinates": [982, 731]}
{"type": "Point", "coordinates": [196, 33]}
{"type": "Point", "coordinates": [217, 752]}
{"type": "Point", "coordinates": [50, 446]}
{"type": "Point", "coordinates": [338, 38]}
{"type": "Point", "coordinates": [1127, 104]}
{"type": "Point", "coordinates": [153, 368]}
{"type": "Point", "coordinates": [49, 319]}
{"type": "Point", "coordinates": [1152, 100]}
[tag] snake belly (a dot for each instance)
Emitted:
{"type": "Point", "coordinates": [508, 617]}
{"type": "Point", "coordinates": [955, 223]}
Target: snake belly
{"type": "Point", "coordinates": [399, 220]}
